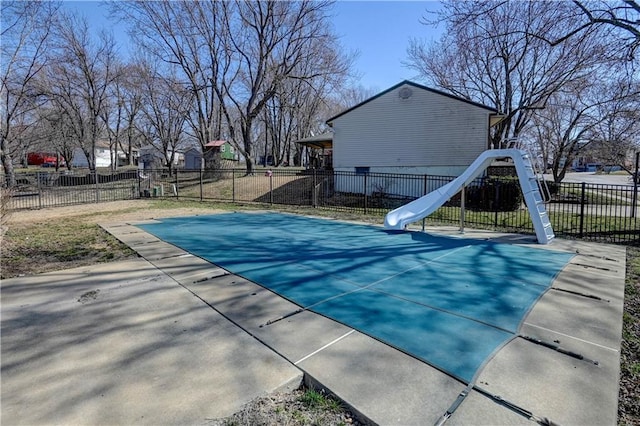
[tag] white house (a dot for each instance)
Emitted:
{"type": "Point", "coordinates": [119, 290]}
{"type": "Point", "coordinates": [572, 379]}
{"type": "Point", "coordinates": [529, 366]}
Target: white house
{"type": "Point", "coordinates": [411, 128]}
{"type": "Point", "coordinates": [103, 155]}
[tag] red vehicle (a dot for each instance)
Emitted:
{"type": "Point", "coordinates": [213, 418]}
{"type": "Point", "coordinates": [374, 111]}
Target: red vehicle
{"type": "Point", "coordinates": [43, 159]}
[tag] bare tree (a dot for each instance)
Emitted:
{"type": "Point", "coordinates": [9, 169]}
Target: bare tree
{"type": "Point", "coordinates": [235, 56]}
{"type": "Point", "coordinates": [25, 31]}
{"type": "Point", "coordinates": [353, 95]}
{"type": "Point", "coordinates": [561, 129]}
{"type": "Point", "coordinates": [113, 116]}
{"type": "Point", "coordinates": [300, 109]}
{"type": "Point", "coordinates": [623, 16]}
{"type": "Point", "coordinates": [129, 94]}
{"type": "Point", "coordinates": [491, 54]}
{"type": "Point", "coordinates": [56, 133]}
{"type": "Point", "coordinates": [596, 116]}
{"type": "Point", "coordinates": [166, 105]}
{"type": "Point", "coordinates": [79, 80]}
{"type": "Point", "coordinates": [617, 134]}
{"type": "Point", "coordinates": [268, 41]}
{"type": "Point", "coordinates": [186, 35]}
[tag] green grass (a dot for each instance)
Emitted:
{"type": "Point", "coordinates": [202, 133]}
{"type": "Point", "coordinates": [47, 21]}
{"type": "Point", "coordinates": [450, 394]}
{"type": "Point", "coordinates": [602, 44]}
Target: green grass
{"type": "Point", "coordinates": [629, 406]}
{"type": "Point", "coordinates": [318, 400]}
{"type": "Point", "coordinates": [58, 244]}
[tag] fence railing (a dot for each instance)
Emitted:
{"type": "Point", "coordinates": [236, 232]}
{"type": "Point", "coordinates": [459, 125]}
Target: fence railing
{"type": "Point", "coordinates": [42, 189]}
{"type": "Point", "coordinates": [604, 213]}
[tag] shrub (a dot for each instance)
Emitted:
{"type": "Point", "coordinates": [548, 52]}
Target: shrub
{"type": "Point", "coordinates": [495, 193]}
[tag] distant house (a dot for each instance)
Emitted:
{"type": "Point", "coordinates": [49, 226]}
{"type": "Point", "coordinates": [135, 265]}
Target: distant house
{"type": "Point", "coordinates": [150, 157]}
{"type": "Point", "coordinates": [411, 128]}
{"type": "Point", "coordinates": [103, 155]}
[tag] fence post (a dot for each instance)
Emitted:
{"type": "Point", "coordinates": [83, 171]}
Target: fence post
{"type": "Point", "coordinates": [314, 192]}
{"type": "Point", "coordinates": [582, 203]}
{"type": "Point", "coordinates": [462, 197]}
{"type": "Point", "coordinates": [424, 192]}
{"type": "Point", "coordinates": [270, 188]}
{"type": "Point", "coordinates": [635, 187]}
{"type": "Point", "coordinates": [177, 186]}
{"type": "Point", "coordinates": [233, 185]}
{"type": "Point", "coordinates": [496, 203]}
{"type": "Point", "coordinates": [200, 183]}
{"type": "Point", "coordinates": [39, 190]}
{"type": "Point", "coordinates": [95, 176]}
{"type": "Point", "coordinates": [365, 192]}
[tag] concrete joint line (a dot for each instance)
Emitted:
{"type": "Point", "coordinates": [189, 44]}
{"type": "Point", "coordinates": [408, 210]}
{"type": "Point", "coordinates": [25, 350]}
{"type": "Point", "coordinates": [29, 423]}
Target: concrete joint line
{"type": "Point", "coordinates": [595, 267]}
{"type": "Point", "coordinates": [556, 347]}
{"type": "Point", "coordinates": [577, 293]}
{"type": "Point", "coordinates": [173, 256]}
{"type": "Point", "coordinates": [324, 347]}
{"type": "Point", "coordinates": [573, 337]}
{"type": "Point", "coordinates": [207, 278]}
{"type": "Point", "coordinates": [597, 257]}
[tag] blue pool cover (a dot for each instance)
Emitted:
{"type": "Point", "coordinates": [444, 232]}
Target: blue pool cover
{"type": "Point", "coordinates": [448, 301]}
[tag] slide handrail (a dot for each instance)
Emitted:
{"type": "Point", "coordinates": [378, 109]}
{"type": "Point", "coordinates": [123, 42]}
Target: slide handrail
{"type": "Point", "coordinates": [545, 193]}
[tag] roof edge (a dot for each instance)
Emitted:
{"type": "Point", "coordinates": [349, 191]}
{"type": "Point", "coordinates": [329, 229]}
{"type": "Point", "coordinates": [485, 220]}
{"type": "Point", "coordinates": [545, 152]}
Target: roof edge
{"type": "Point", "coordinates": [416, 85]}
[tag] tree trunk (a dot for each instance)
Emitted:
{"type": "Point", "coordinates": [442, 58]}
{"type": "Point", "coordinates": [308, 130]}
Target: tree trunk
{"type": "Point", "coordinates": [7, 165]}
{"type": "Point", "coordinates": [248, 148]}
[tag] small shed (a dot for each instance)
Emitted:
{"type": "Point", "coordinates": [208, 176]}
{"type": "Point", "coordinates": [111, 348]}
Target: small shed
{"type": "Point", "coordinates": [223, 149]}
{"type": "Point", "coordinates": [192, 159]}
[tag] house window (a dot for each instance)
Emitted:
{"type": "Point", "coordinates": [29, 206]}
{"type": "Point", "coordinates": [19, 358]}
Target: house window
{"type": "Point", "coordinates": [362, 170]}
{"type": "Point", "coordinates": [222, 148]}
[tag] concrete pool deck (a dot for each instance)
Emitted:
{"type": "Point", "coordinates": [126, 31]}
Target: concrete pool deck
{"type": "Point", "coordinates": [171, 338]}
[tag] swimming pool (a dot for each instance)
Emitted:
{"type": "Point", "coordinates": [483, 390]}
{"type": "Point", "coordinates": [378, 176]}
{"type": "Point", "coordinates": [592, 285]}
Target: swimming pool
{"type": "Point", "coordinates": [449, 301]}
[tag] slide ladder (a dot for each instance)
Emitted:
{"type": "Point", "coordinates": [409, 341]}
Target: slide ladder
{"type": "Point", "coordinates": [422, 207]}
{"type": "Point", "coordinates": [532, 185]}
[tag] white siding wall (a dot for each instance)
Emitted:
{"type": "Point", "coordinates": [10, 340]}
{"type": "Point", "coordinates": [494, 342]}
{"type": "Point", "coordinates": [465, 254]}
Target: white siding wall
{"type": "Point", "coordinates": [346, 182]}
{"type": "Point", "coordinates": [103, 158]}
{"type": "Point", "coordinates": [425, 130]}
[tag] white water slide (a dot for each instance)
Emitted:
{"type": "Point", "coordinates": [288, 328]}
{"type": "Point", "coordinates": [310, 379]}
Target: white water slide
{"type": "Point", "coordinates": [422, 207]}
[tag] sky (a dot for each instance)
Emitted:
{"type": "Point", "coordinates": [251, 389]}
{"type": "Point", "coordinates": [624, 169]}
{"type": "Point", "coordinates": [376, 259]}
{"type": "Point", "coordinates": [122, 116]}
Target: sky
{"type": "Point", "coordinates": [378, 30]}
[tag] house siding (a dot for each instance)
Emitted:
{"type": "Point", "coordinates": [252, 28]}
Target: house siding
{"type": "Point", "coordinates": [427, 130]}
{"type": "Point", "coordinates": [102, 157]}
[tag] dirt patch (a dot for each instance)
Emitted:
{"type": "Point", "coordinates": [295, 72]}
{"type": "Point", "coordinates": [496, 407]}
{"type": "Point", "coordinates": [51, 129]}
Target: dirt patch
{"type": "Point", "coordinates": [111, 211]}
{"type": "Point", "coordinates": [300, 407]}
{"type": "Point", "coordinates": [37, 241]}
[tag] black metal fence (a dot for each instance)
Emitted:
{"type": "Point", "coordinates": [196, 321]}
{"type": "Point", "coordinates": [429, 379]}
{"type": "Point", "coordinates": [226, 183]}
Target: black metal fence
{"type": "Point", "coordinates": [42, 189]}
{"type": "Point", "coordinates": [604, 213]}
